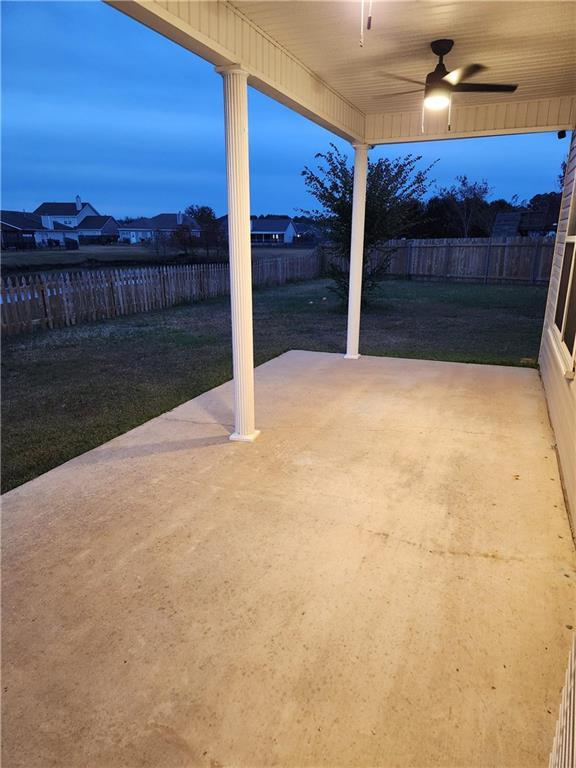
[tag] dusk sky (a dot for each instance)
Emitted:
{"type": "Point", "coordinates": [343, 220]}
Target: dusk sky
{"type": "Point", "coordinates": [96, 104]}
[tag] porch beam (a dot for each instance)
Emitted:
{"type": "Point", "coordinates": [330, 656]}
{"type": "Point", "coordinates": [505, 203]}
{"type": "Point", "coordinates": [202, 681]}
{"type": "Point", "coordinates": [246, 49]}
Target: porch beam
{"type": "Point", "coordinates": [357, 250]}
{"type": "Point", "coordinates": [235, 81]}
{"type": "Point", "coordinates": [220, 33]}
{"type": "Point", "coordinates": [500, 118]}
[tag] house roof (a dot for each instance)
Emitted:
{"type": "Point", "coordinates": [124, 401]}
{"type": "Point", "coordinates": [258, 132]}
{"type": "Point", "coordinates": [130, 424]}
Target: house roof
{"type": "Point", "coordinates": [511, 223]}
{"type": "Point", "coordinates": [20, 220]}
{"type": "Point", "coordinates": [161, 221]}
{"type": "Point", "coordinates": [95, 222]}
{"type": "Point", "coordinates": [29, 221]}
{"type": "Point", "coordinates": [270, 225]}
{"type": "Point", "coordinates": [59, 209]}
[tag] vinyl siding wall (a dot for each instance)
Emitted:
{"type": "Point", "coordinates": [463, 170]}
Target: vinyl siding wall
{"type": "Point", "coordinates": [560, 390]}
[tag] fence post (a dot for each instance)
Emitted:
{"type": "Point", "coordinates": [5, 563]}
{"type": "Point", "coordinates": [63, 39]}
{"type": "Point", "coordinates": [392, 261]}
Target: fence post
{"type": "Point", "coordinates": [536, 258]}
{"type": "Point", "coordinates": [45, 293]}
{"type": "Point", "coordinates": [487, 266]}
{"type": "Point", "coordinates": [408, 267]}
{"type": "Point", "coordinates": [506, 260]}
{"type": "Point", "coordinates": [448, 261]}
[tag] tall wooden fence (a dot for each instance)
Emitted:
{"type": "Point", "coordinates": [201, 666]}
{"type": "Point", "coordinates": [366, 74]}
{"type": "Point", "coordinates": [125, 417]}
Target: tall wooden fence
{"type": "Point", "coordinates": [505, 260]}
{"type": "Point", "coordinates": [58, 299]}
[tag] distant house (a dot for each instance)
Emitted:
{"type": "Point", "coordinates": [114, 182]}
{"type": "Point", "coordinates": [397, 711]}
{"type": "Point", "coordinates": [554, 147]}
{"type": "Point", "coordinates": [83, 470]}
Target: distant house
{"type": "Point", "coordinates": [306, 232]}
{"type": "Point", "coordinates": [98, 229]}
{"type": "Point", "coordinates": [523, 223]}
{"type": "Point", "coordinates": [162, 226]}
{"type": "Point", "coordinates": [23, 230]}
{"type": "Point", "coordinates": [273, 231]}
{"type": "Point", "coordinates": [70, 214]}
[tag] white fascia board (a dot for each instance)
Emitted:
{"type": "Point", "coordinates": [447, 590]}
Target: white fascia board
{"type": "Point", "coordinates": [221, 34]}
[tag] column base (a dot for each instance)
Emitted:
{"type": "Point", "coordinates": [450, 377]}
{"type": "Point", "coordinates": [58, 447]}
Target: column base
{"type": "Point", "coordinates": [351, 357]}
{"type": "Point", "coordinates": [238, 438]}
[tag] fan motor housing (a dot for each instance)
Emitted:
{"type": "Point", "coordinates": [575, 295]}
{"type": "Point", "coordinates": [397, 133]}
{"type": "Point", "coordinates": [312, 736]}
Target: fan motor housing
{"type": "Point", "coordinates": [441, 47]}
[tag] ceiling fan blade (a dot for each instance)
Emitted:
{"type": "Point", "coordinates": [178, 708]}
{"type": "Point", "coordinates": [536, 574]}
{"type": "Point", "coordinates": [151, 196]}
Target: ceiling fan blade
{"type": "Point", "coordinates": [463, 73]}
{"type": "Point", "coordinates": [484, 88]}
{"type": "Point", "coordinates": [401, 78]}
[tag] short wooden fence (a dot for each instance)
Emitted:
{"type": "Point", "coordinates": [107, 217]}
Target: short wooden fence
{"type": "Point", "coordinates": [58, 299]}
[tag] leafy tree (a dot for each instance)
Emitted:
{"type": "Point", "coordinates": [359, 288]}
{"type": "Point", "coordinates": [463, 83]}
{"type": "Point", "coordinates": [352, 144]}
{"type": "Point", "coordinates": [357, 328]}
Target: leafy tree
{"type": "Point", "coordinates": [182, 239]}
{"type": "Point", "coordinates": [468, 201]}
{"type": "Point", "coordinates": [211, 233]}
{"type": "Point", "coordinates": [202, 213]}
{"type": "Point", "coordinates": [549, 204]}
{"type": "Point", "coordinates": [561, 175]}
{"type": "Point", "coordinates": [393, 186]}
{"type": "Point", "coordinates": [437, 219]}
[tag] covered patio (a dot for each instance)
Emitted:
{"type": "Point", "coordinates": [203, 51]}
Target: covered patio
{"type": "Point", "coordinates": [385, 574]}
{"type": "Point", "coordinates": [386, 577]}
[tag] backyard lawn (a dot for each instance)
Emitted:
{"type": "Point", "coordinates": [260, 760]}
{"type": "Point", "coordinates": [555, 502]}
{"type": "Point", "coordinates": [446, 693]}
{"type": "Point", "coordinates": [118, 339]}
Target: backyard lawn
{"type": "Point", "coordinates": [66, 391]}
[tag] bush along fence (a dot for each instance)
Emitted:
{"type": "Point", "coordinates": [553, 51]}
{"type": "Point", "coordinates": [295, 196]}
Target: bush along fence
{"type": "Point", "coordinates": [57, 299]}
{"type": "Point", "coordinates": [506, 260]}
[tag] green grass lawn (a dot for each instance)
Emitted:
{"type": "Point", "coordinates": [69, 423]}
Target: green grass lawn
{"type": "Point", "coordinates": [69, 390]}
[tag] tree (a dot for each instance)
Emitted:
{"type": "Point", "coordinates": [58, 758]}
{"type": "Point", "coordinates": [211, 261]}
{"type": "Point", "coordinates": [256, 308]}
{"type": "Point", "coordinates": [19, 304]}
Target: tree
{"type": "Point", "coordinates": [437, 219]}
{"type": "Point", "coordinates": [202, 213]}
{"type": "Point", "coordinates": [468, 201]}
{"type": "Point", "coordinates": [182, 239]}
{"type": "Point", "coordinates": [393, 186]}
{"type": "Point", "coordinates": [548, 203]}
{"type": "Point", "coordinates": [211, 235]}
{"type": "Point", "coordinates": [562, 175]}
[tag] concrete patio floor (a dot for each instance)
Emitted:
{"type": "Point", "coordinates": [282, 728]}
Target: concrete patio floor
{"type": "Point", "coordinates": [385, 578]}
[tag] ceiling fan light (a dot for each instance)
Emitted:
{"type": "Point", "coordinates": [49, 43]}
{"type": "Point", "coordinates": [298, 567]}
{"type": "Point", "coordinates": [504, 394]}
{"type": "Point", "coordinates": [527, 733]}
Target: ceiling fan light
{"type": "Point", "coordinates": [437, 99]}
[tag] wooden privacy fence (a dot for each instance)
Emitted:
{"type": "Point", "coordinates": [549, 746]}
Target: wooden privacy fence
{"type": "Point", "coordinates": [58, 299]}
{"type": "Point", "coordinates": [505, 260]}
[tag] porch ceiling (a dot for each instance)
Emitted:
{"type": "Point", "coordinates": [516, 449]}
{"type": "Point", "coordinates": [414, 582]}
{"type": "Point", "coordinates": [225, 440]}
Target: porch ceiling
{"type": "Point", "coordinates": [307, 55]}
{"type": "Point", "coordinates": [530, 43]}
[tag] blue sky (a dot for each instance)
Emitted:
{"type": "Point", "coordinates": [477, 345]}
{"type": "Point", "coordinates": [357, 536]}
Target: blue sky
{"type": "Point", "coordinates": [95, 104]}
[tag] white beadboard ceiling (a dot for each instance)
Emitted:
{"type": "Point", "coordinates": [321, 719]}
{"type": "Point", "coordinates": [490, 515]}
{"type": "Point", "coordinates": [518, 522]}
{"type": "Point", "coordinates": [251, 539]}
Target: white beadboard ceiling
{"type": "Point", "coordinates": [532, 43]}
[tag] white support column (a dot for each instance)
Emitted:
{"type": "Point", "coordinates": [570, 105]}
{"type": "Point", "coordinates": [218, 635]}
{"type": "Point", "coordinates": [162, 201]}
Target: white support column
{"type": "Point", "coordinates": [238, 175]}
{"type": "Point", "coordinates": [357, 250]}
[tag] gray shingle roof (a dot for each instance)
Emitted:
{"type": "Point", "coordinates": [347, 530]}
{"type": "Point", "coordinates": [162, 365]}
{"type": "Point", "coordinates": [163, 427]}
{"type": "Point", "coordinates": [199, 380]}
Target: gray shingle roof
{"type": "Point", "coordinates": [21, 220]}
{"type": "Point", "coordinates": [512, 223]}
{"type": "Point", "coordinates": [94, 222]}
{"type": "Point", "coordinates": [270, 225]}
{"type": "Point", "coordinates": [59, 209]}
{"type": "Point", "coordinates": [29, 221]}
{"type": "Point", "coordinates": [161, 221]}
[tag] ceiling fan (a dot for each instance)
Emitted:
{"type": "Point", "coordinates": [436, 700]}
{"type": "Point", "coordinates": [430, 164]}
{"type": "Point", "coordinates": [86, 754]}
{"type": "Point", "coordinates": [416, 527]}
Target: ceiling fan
{"type": "Point", "coordinates": [440, 84]}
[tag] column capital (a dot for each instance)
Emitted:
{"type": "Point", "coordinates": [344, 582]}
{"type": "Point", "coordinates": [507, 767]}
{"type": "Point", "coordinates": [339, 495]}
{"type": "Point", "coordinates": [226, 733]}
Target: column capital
{"type": "Point", "coordinates": [358, 145]}
{"type": "Point", "coordinates": [232, 69]}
